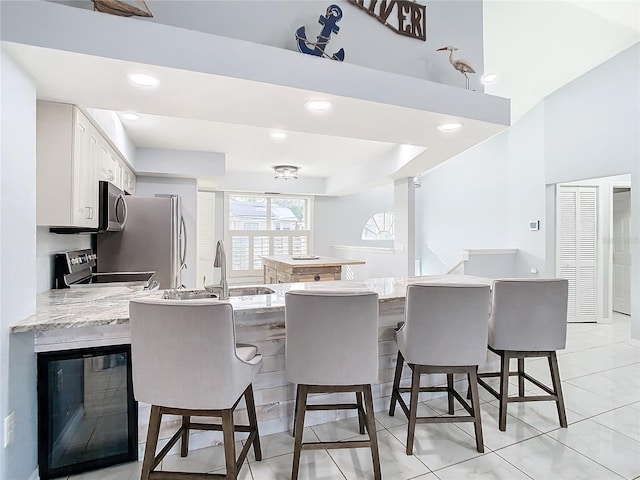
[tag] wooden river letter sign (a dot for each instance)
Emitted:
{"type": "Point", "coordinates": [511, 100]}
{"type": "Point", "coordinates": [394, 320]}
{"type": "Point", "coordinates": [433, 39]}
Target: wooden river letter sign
{"type": "Point", "coordinates": [410, 18]}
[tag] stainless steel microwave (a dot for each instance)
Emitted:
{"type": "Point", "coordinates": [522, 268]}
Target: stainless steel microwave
{"type": "Point", "coordinates": [112, 208]}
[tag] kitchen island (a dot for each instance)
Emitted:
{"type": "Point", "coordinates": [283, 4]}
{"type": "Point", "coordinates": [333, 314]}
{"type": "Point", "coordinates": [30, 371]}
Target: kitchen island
{"type": "Point", "coordinates": [87, 317]}
{"type": "Point", "coordinates": [303, 268]}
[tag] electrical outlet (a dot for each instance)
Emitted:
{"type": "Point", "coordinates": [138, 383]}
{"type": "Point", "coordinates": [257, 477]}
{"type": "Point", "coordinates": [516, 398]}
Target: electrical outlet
{"type": "Point", "coordinates": [9, 429]}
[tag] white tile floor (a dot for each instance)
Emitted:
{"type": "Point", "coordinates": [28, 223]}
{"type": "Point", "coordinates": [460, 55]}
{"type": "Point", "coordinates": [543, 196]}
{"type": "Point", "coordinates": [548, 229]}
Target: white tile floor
{"type": "Point", "coordinates": [600, 371]}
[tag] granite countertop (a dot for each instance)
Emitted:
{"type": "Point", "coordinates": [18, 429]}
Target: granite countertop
{"type": "Point", "coordinates": [99, 306]}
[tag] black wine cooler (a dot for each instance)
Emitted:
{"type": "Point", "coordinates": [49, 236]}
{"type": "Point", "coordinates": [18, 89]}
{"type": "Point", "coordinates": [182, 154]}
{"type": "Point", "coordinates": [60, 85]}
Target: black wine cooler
{"type": "Point", "coordinates": [87, 416]}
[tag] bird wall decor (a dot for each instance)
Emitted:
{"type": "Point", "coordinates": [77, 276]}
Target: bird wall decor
{"type": "Point", "coordinates": [460, 65]}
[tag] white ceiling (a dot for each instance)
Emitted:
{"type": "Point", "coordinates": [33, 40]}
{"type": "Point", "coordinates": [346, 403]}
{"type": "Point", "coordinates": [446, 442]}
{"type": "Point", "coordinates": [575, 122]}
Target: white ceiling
{"type": "Point", "coordinates": [535, 47]}
{"type": "Point", "coordinates": [211, 113]}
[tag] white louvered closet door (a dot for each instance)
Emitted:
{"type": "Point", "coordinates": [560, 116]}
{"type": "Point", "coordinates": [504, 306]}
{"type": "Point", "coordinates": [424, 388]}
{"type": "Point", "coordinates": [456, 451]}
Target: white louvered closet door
{"type": "Point", "coordinates": [577, 250]}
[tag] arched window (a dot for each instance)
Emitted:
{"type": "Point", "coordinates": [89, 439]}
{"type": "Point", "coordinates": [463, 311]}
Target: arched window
{"type": "Point", "coordinates": [379, 227]}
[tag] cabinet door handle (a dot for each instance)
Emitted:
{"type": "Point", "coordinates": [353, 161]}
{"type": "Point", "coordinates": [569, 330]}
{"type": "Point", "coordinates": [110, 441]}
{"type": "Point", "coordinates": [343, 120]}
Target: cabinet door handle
{"type": "Point", "coordinates": [88, 213]}
{"type": "Point", "coordinates": [110, 175]}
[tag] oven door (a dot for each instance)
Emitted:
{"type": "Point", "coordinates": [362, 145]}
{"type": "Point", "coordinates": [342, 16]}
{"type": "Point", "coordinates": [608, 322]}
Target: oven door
{"type": "Point", "coordinates": [113, 208]}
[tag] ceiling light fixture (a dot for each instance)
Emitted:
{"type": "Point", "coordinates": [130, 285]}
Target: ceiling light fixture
{"type": "Point", "coordinates": [143, 80]}
{"type": "Point", "coordinates": [317, 105]}
{"type": "Point", "coordinates": [278, 136]}
{"type": "Point", "coordinates": [285, 172]}
{"type": "Point", "coordinates": [449, 127]}
{"type": "Point", "coordinates": [130, 116]}
{"type": "Point", "coordinates": [488, 78]}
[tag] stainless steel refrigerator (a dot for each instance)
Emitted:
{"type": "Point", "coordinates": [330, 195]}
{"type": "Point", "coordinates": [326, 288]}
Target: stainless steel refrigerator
{"type": "Point", "coordinates": [153, 238]}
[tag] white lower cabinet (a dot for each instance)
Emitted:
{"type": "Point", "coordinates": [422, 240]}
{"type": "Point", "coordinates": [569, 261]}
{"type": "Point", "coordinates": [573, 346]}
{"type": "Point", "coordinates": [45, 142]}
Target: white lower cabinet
{"type": "Point", "coordinates": [66, 186]}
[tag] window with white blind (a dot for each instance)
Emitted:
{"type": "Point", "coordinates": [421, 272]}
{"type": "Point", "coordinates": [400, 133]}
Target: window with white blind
{"type": "Point", "coordinates": [260, 225]}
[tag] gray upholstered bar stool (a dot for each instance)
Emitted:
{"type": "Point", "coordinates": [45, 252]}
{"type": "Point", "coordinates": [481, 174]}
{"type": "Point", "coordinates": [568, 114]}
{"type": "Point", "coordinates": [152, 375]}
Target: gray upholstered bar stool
{"type": "Point", "coordinates": [528, 319]}
{"type": "Point", "coordinates": [445, 331]}
{"type": "Point", "coordinates": [332, 347]}
{"type": "Point", "coordinates": [185, 362]}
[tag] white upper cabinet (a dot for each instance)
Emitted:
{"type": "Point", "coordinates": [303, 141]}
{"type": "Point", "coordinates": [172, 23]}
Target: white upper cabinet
{"type": "Point", "coordinates": [67, 190]}
{"type": "Point", "coordinates": [72, 156]}
{"type": "Point", "coordinates": [113, 168]}
{"type": "Point", "coordinates": [128, 180]}
{"type": "Point", "coordinates": [107, 161]}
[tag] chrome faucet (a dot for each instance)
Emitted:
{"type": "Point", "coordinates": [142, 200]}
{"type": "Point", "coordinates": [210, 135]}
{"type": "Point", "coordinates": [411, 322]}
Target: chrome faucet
{"type": "Point", "coordinates": [220, 261]}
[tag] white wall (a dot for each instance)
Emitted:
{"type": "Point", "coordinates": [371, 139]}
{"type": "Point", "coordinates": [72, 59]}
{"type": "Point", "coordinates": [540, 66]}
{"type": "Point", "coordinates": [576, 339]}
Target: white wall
{"type": "Point", "coordinates": [526, 193]}
{"type": "Point", "coordinates": [592, 124]}
{"type": "Point", "coordinates": [365, 40]}
{"type": "Point", "coordinates": [592, 131]}
{"type": "Point", "coordinates": [340, 220]}
{"type": "Point", "coordinates": [463, 205]}
{"type": "Point", "coordinates": [587, 129]}
{"type": "Point", "coordinates": [188, 191]}
{"type": "Point", "coordinates": [17, 265]}
{"type": "Point", "coordinates": [379, 262]}
{"type": "Point", "coordinates": [112, 126]}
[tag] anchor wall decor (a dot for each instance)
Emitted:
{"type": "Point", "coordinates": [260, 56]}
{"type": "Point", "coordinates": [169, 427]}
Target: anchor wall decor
{"type": "Point", "coordinates": [329, 20]}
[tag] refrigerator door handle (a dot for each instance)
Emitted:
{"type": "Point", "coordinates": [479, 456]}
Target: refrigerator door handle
{"type": "Point", "coordinates": [183, 241]}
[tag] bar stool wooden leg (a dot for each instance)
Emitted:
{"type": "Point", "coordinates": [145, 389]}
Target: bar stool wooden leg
{"type": "Point", "coordinates": [301, 405]}
{"type": "Point", "coordinates": [395, 393]}
{"type": "Point", "coordinates": [371, 429]}
{"type": "Point", "coordinates": [152, 442]}
{"type": "Point", "coordinates": [184, 446]}
{"type": "Point", "coordinates": [521, 377]}
{"type": "Point", "coordinates": [557, 387]}
{"type": "Point", "coordinates": [504, 391]}
{"type": "Point", "coordinates": [413, 407]}
{"type": "Point", "coordinates": [450, 392]}
{"type": "Point", "coordinates": [361, 419]}
{"type": "Point", "coordinates": [475, 405]}
{"type": "Point", "coordinates": [229, 444]}
{"type": "Point", "coordinates": [253, 421]}
{"type": "Point", "coordinates": [295, 411]}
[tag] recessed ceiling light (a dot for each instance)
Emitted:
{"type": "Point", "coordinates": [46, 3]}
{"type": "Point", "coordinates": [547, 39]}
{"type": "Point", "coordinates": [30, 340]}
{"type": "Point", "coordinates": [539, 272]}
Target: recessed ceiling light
{"type": "Point", "coordinates": [130, 116]}
{"type": "Point", "coordinates": [144, 80]}
{"type": "Point", "coordinates": [449, 127]}
{"type": "Point", "coordinates": [278, 136]}
{"type": "Point", "coordinates": [317, 105]}
{"type": "Point", "coordinates": [488, 78]}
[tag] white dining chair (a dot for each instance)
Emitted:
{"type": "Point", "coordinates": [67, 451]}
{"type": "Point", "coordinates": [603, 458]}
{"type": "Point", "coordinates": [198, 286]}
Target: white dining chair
{"type": "Point", "coordinates": [332, 347]}
{"type": "Point", "coordinates": [528, 320]}
{"type": "Point", "coordinates": [445, 332]}
{"type": "Point", "coordinates": [185, 362]}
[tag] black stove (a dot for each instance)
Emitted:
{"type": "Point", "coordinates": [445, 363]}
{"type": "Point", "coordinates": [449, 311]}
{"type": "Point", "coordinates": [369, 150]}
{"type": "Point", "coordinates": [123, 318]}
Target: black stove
{"type": "Point", "coordinates": [75, 268]}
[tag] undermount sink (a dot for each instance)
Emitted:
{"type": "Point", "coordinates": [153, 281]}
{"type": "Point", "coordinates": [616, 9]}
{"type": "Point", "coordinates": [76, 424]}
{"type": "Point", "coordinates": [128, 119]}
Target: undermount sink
{"type": "Point", "coordinates": [248, 291]}
{"type": "Point", "coordinates": [214, 292]}
{"type": "Point", "coordinates": [187, 294]}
